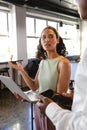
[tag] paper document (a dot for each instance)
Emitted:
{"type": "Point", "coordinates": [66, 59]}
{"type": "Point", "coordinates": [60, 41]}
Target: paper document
{"type": "Point", "coordinates": [13, 87]}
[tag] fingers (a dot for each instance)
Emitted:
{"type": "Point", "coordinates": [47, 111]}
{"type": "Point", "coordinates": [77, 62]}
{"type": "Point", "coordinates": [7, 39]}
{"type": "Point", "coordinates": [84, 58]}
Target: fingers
{"type": "Point", "coordinates": [18, 64]}
{"type": "Point", "coordinates": [42, 98]}
{"type": "Point", "coordinates": [42, 101]}
{"type": "Point", "coordinates": [19, 97]}
{"type": "Point", "coordinates": [22, 100]}
{"type": "Point", "coordinates": [12, 65]}
{"type": "Point", "coordinates": [68, 95]}
{"type": "Point", "coordinates": [64, 94]}
{"type": "Point", "coordinates": [16, 95]}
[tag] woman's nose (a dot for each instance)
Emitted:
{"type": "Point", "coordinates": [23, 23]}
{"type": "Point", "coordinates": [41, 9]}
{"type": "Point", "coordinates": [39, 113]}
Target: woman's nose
{"type": "Point", "coordinates": [47, 39]}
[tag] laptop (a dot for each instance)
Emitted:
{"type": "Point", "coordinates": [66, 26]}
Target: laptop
{"type": "Point", "coordinates": [30, 95]}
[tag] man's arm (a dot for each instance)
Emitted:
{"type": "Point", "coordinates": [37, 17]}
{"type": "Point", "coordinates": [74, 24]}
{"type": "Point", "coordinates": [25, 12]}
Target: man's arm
{"type": "Point", "coordinates": [61, 118]}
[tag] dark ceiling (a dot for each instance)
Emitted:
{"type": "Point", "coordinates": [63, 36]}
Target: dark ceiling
{"type": "Point", "coordinates": [61, 6]}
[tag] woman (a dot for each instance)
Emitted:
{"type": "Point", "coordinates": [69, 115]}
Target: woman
{"type": "Point", "coordinates": [54, 70]}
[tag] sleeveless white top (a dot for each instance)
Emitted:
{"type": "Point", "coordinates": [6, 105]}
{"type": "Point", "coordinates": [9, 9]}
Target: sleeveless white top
{"type": "Point", "coordinates": [48, 74]}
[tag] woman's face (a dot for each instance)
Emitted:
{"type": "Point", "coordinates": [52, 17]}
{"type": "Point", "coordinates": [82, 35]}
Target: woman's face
{"type": "Point", "coordinates": [49, 40]}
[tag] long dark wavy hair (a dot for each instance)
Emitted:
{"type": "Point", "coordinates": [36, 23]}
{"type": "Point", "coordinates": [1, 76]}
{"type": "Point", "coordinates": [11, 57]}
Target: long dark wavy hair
{"type": "Point", "coordinates": [60, 48]}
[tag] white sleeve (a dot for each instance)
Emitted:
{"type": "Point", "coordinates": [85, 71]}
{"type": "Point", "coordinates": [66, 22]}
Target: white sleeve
{"type": "Point", "coordinates": [65, 119]}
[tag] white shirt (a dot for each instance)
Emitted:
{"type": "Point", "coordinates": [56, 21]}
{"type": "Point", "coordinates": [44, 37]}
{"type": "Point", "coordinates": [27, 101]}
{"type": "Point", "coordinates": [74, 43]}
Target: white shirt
{"type": "Point", "coordinates": [77, 118]}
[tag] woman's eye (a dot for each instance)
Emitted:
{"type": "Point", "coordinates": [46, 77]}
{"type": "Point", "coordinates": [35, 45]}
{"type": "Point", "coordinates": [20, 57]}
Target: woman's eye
{"type": "Point", "coordinates": [43, 37]}
{"type": "Point", "coordinates": [50, 36]}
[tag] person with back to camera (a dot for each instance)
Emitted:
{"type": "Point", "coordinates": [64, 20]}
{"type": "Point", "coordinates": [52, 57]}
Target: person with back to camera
{"type": "Point", "coordinates": [54, 71]}
{"type": "Point", "coordinates": [77, 118]}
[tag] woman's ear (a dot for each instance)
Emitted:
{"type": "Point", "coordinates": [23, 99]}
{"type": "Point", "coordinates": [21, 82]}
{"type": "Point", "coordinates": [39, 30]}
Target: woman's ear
{"type": "Point", "coordinates": [57, 40]}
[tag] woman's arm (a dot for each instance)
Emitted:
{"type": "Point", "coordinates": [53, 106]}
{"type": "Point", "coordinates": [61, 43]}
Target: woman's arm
{"type": "Point", "coordinates": [64, 70]}
{"type": "Point", "coordinates": [32, 84]}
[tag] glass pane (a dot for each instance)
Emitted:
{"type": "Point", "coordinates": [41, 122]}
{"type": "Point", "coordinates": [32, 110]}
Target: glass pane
{"type": "Point", "coordinates": [72, 48]}
{"type": "Point", "coordinates": [53, 24]}
{"type": "Point", "coordinates": [4, 48]}
{"type": "Point", "coordinates": [40, 25]}
{"type": "Point", "coordinates": [6, 42]}
{"type": "Point", "coordinates": [3, 23]}
{"type": "Point", "coordinates": [32, 47]}
{"type": "Point", "coordinates": [30, 26]}
{"type": "Point", "coordinates": [70, 35]}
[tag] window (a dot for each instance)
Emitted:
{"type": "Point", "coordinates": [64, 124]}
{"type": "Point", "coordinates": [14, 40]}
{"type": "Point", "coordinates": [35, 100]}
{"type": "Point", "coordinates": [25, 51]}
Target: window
{"type": "Point", "coordinates": [40, 25]}
{"type": "Point", "coordinates": [30, 27]}
{"type": "Point", "coordinates": [53, 24]}
{"type": "Point", "coordinates": [68, 32]}
{"type": "Point", "coordinates": [4, 36]}
{"type": "Point", "coordinates": [7, 37]}
{"type": "Point", "coordinates": [34, 27]}
{"type": "Point", "coordinates": [4, 24]}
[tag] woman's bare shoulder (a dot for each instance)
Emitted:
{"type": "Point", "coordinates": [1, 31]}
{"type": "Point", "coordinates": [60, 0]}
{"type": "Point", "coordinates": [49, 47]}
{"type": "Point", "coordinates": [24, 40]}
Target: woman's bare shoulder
{"type": "Point", "coordinates": [64, 62]}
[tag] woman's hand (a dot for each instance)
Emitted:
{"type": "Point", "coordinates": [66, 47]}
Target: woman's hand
{"type": "Point", "coordinates": [43, 103]}
{"type": "Point", "coordinates": [16, 66]}
{"type": "Point", "coordinates": [19, 97]}
{"type": "Point", "coordinates": [69, 95]}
